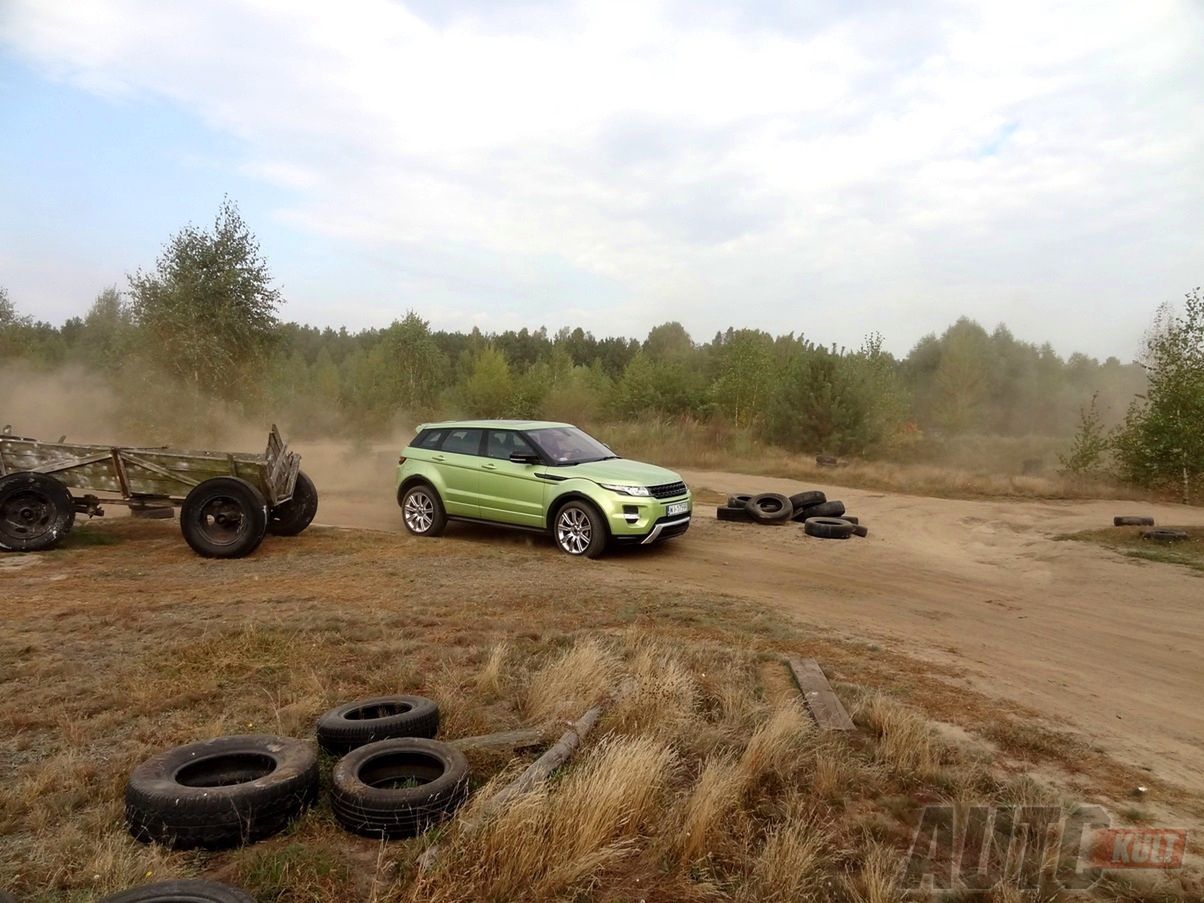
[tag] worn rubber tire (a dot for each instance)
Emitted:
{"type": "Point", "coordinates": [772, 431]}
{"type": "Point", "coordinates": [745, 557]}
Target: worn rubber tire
{"type": "Point", "coordinates": [828, 527]}
{"type": "Point", "coordinates": [728, 512]}
{"type": "Point", "coordinates": [739, 500]}
{"type": "Point", "coordinates": [247, 503]}
{"type": "Point", "coordinates": [1130, 520]}
{"type": "Point", "coordinates": [827, 461]}
{"type": "Point", "coordinates": [598, 536]}
{"type": "Point", "coordinates": [221, 793]}
{"type": "Point", "coordinates": [293, 516]}
{"type": "Point", "coordinates": [52, 498]}
{"type": "Point", "coordinates": [769, 508]}
{"type": "Point", "coordinates": [1164, 535]}
{"type": "Point", "coordinates": [363, 806]}
{"type": "Point", "coordinates": [860, 529]}
{"type": "Point", "coordinates": [347, 727]}
{"type": "Point", "coordinates": [181, 892]}
{"type": "Point", "coordinates": [801, 500]}
{"type": "Point", "coordinates": [438, 513]}
{"type": "Point", "coordinates": [825, 509]}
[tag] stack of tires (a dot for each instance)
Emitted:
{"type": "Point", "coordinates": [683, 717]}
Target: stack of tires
{"type": "Point", "coordinates": [820, 518]}
{"type": "Point", "coordinates": [392, 780]}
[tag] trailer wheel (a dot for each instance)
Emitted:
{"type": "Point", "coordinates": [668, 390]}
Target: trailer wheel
{"type": "Point", "coordinates": [224, 517]}
{"type": "Point", "coordinates": [36, 512]}
{"type": "Point", "coordinates": [293, 516]}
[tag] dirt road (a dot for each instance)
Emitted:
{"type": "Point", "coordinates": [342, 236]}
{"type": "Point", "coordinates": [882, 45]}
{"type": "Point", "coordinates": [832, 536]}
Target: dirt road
{"type": "Point", "coordinates": [1104, 644]}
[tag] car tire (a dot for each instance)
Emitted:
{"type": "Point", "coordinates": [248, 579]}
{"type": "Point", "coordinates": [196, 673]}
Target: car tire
{"type": "Point", "coordinates": [1164, 535]}
{"type": "Point", "coordinates": [1132, 521]}
{"type": "Point", "coordinates": [769, 508]}
{"type": "Point", "coordinates": [828, 527]}
{"type": "Point", "coordinates": [356, 724]}
{"type": "Point", "coordinates": [181, 892]}
{"type": "Point", "coordinates": [221, 793]}
{"type": "Point", "coordinates": [364, 797]}
{"type": "Point", "coordinates": [578, 529]}
{"type": "Point", "coordinates": [825, 509]}
{"type": "Point", "coordinates": [422, 510]}
{"type": "Point", "coordinates": [860, 529]}
{"type": "Point", "coordinates": [293, 516]}
{"type": "Point", "coordinates": [739, 500]}
{"type": "Point", "coordinates": [730, 512]}
{"type": "Point", "coordinates": [224, 517]}
{"type": "Point", "coordinates": [827, 461]}
{"type": "Point", "coordinates": [850, 518]}
{"type": "Point", "coordinates": [801, 500]}
{"type": "Point", "coordinates": [36, 512]}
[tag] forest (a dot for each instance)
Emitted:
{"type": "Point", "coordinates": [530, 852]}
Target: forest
{"type": "Point", "coordinates": [201, 334]}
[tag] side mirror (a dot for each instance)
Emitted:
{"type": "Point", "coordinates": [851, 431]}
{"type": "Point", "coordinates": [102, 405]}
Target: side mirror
{"type": "Point", "coordinates": [521, 458]}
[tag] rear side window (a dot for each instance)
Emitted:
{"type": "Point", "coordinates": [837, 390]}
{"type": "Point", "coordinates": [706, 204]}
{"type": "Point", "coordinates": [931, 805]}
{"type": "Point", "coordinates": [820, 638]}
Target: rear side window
{"type": "Point", "coordinates": [462, 442]}
{"type": "Point", "coordinates": [428, 439]}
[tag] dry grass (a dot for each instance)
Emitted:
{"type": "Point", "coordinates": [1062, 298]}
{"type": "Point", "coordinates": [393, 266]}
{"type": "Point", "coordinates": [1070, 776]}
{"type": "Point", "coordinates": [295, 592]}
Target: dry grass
{"type": "Point", "coordinates": [1128, 541]}
{"type": "Point", "coordinates": [698, 784]}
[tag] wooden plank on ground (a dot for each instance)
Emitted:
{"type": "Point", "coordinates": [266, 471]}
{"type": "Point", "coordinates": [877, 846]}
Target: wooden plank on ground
{"type": "Point", "coordinates": [825, 707]}
{"type": "Point", "coordinates": [517, 739]}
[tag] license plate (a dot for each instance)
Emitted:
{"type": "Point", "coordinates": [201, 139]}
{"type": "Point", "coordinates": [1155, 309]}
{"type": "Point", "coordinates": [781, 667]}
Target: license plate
{"type": "Point", "coordinates": [677, 508]}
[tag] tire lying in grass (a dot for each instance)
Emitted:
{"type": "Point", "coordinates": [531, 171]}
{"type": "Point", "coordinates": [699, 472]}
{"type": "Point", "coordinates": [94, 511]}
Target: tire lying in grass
{"type": "Point", "coordinates": [221, 793]}
{"type": "Point", "coordinates": [293, 516]}
{"type": "Point", "coordinates": [181, 892]}
{"type": "Point", "coordinates": [1164, 535]}
{"type": "Point", "coordinates": [769, 508]}
{"type": "Point", "coordinates": [827, 461]}
{"type": "Point", "coordinates": [739, 500]}
{"type": "Point", "coordinates": [36, 512]}
{"type": "Point", "coordinates": [801, 500]}
{"type": "Point", "coordinates": [828, 527]}
{"type": "Point", "coordinates": [1131, 520]}
{"type": "Point", "coordinates": [824, 509]}
{"type": "Point", "coordinates": [355, 724]}
{"type": "Point", "coordinates": [730, 512]}
{"type": "Point", "coordinates": [398, 788]}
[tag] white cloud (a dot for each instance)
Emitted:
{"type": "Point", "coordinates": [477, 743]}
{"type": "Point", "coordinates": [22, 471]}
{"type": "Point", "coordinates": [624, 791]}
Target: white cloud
{"type": "Point", "coordinates": [634, 161]}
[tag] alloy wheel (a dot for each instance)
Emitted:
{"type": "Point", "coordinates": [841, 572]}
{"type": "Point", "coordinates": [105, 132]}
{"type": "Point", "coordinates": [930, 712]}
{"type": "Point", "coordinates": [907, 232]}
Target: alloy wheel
{"type": "Point", "coordinates": [419, 511]}
{"type": "Point", "coordinates": [574, 531]}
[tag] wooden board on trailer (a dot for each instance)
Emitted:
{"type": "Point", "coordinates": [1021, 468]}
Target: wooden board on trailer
{"type": "Point", "coordinates": [822, 702]}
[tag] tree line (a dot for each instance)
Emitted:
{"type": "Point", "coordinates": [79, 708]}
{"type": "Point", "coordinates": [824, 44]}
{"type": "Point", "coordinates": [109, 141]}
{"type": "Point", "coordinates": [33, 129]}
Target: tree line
{"type": "Point", "coordinates": [205, 321]}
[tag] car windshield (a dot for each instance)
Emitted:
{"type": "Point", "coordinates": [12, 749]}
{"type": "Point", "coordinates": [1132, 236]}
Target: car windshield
{"type": "Point", "coordinates": [569, 445]}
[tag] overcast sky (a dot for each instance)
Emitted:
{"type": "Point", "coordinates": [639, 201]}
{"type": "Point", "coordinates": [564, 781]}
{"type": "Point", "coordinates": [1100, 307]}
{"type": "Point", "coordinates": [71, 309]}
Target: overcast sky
{"type": "Point", "coordinates": [828, 167]}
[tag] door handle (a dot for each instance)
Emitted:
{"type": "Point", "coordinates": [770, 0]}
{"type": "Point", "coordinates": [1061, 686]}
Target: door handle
{"type": "Point", "coordinates": [489, 466]}
{"type": "Point", "coordinates": [437, 457]}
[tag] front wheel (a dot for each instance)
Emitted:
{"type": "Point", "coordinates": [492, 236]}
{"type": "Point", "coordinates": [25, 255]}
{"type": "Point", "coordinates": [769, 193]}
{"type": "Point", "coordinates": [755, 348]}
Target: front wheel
{"type": "Point", "coordinates": [422, 511]}
{"type": "Point", "coordinates": [224, 517]}
{"type": "Point", "coordinates": [579, 530]}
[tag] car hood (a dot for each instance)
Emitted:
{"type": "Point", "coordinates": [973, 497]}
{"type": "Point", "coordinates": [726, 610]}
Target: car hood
{"type": "Point", "coordinates": [619, 470]}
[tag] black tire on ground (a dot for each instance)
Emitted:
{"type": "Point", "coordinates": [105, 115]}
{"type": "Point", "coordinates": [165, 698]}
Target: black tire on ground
{"type": "Point", "coordinates": [181, 892]}
{"type": "Point", "coordinates": [398, 788]}
{"type": "Point", "coordinates": [578, 529]}
{"type": "Point", "coordinates": [850, 518]}
{"type": "Point", "coordinates": [739, 500]}
{"type": "Point", "coordinates": [769, 508]}
{"type": "Point", "coordinates": [801, 500]}
{"type": "Point", "coordinates": [292, 517]}
{"type": "Point", "coordinates": [825, 509]}
{"type": "Point", "coordinates": [827, 460]}
{"type": "Point", "coordinates": [729, 512]}
{"type": "Point", "coordinates": [36, 512]}
{"type": "Point", "coordinates": [224, 517]}
{"type": "Point", "coordinates": [828, 527]}
{"type": "Point", "coordinates": [860, 530]}
{"type": "Point", "coordinates": [1132, 521]}
{"type": "Point", "coordinates": [422, 510]}
{"type": "Point", "coordinates": [221, 793]}
{"type": "Point", "coordinates": [1164, 535]}
{"type": "Point", "coordinates": [364, 721]}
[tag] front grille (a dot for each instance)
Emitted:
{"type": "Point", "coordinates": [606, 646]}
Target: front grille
{"type": "Point", "coordinates": [668, 490]}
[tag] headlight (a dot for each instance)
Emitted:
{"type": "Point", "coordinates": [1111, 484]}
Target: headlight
{"type": "Point", "coordinates": [626, 490]}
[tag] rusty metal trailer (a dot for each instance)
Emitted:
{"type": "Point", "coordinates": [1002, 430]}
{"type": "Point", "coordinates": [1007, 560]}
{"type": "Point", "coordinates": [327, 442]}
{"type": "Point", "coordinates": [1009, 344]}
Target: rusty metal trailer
{"type": "Point", "coordinates": [227, 501]}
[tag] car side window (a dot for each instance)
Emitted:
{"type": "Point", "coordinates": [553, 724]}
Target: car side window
{"type": "Point", "coordinates": [429, 439]}
{"type": "Point", "coordinates": [501, 444]}
{"type": "Point", "coordinates": [462, 442]}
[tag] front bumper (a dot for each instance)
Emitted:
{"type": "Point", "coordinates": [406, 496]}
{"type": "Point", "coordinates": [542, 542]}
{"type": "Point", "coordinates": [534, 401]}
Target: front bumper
{"type": "Point", "coordinates": [645, 521]}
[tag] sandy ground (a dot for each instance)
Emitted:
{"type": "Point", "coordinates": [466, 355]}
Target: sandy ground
{"type": "Point", "coordinates": [1099, 643]}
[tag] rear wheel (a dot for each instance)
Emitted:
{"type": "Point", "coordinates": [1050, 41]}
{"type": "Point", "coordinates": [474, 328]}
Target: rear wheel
{"type": "Point", "coordinates": [291, 517]}
{"type": "Point", "coordinates": [36, 512]}
{"type": "Point", "coordinates": [224, 517]}
{"type": "Point", "coordinates": [422, 510]}
{"type": "Point", "coordinates": [579, 530]}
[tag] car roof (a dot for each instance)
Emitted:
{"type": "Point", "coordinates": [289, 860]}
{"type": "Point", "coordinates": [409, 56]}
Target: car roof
{"type": "Point", "coordinates": [493, 424]}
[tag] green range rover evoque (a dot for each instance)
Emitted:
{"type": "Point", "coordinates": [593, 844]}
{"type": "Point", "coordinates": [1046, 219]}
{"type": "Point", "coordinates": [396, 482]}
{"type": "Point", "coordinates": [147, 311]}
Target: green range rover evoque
{"type": "Point", "coordinates": [550, 477]}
